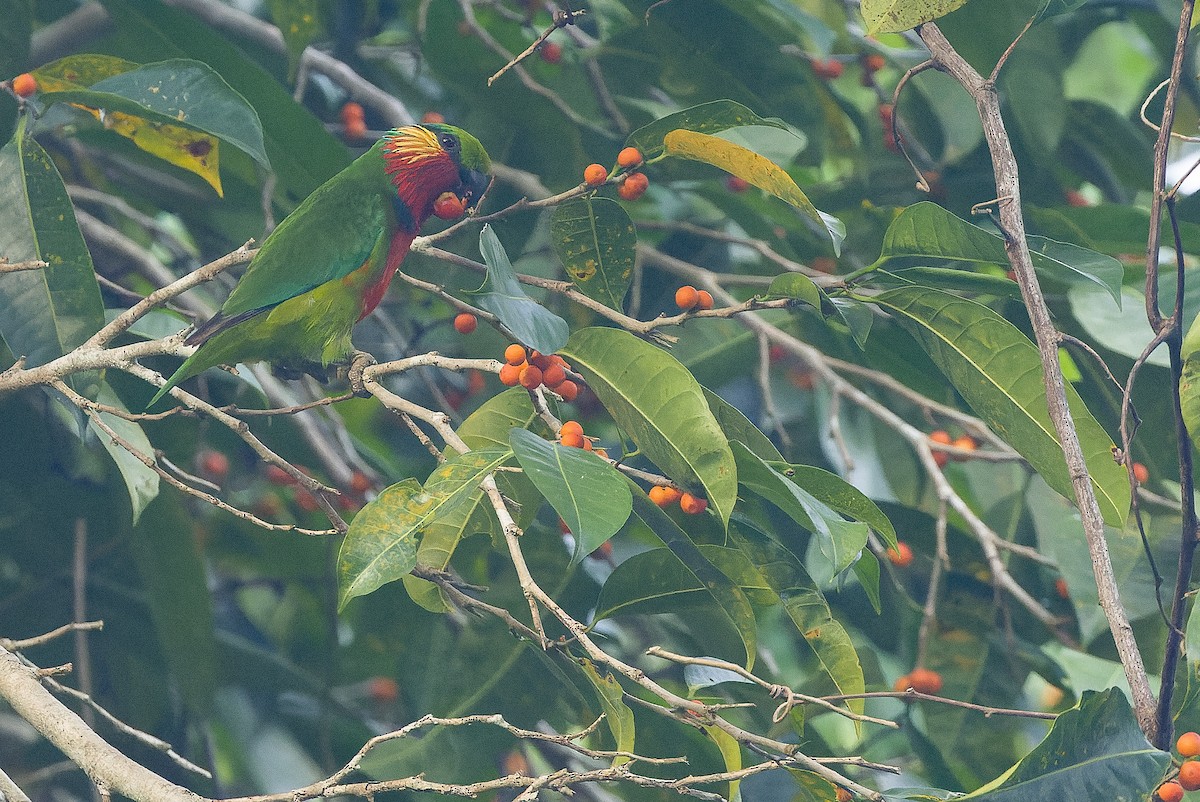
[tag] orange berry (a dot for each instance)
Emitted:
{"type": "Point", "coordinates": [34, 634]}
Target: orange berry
{"type": "Point", "coordinates": [1188, 744]}
{"type": "Point", "coordinates": [941, 436]}
{"type": "Point", "coordinates": [966, 443]}
{"type": "Point", "coordinates": [571, 427]}
{"type": "Point", "coordinates": [735, 183]}
{"type": "Point", "coordinates": [568, 390]}
{"type": "Point", "coordinates": [383, 690]}
{"type": "Point", "coordinates": [887, 113]}
{"type": "Point", "coordinates": [530, 377]}
{"type": "Point", "coordinates": [874, 62]}
{"type": "Point", "coordinates": [601, 453]}
{"type": "Point", "coordinates": [1060, 587]}
{"type": "Point", "coordinates": [551, 52]}
{"type": "Point", "coordinates": [828, 70]}
{"type": "Point", "coordinates": [671, 494]}
{"type": "Point", "coordinates": [692, 505]}
{"type": "Point", "coordinates": [901, 556]}
{"type": "Point", "coordinates": [844, 796]}
{"type": "Point", "coordinates": [595, 174]}
{"type": "Point", "coordinates": [659, 497]}
{"type": "Point", "coordinates": [705, 299]}
{"type": "Point", "coordinates": [629, 157]}
{"type": "Point", "coordinates": [24, 84]}
{"type": "Point", "coordinates": [634, 186]}
{"type": "Point", "coordinates": [355, 129]}
{"type": "Point", "coordinates": [1169, 792]}
{"type": "Point", "coordinates": [902, 683]}
{"type": "Point", "coordinates": [925, 680]}
{"type": "Point", "coordinates": [510, 375]}
{"type": "Point", "coordinates": [359, 482]}
{"type": "Point", "coordinates": [514, 354]}
{"type": "Point", "coordinates": [432, 117]}
{"type": "Point", "coordinates": [465, 322]}
{"type": "Point", "coordinates": [686, 297]}
{"type": "Point", "coordinates": [449, 206]}
{"type": "Point", "coordinates": [214, 464]}
{"type": "Point", "coordinates": [941, 459]}
{"type": "Point", "coordinates": [1141, 473]}
{"type": "Point", "coordinates": [541, 360]}
{"type": "Point", "coordinates": [572, 440]}
{"type": "Point", "coordinates": [553, 375]}
{"type": "Point", "coordinates": [1189, 775]}
{"type": "Point", "coordinates": [351, 111]}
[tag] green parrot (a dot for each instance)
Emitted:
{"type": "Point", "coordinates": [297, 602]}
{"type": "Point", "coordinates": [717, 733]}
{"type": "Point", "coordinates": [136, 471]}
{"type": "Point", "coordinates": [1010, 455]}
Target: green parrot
{"type": "Point", "coordinates": [329, 262]}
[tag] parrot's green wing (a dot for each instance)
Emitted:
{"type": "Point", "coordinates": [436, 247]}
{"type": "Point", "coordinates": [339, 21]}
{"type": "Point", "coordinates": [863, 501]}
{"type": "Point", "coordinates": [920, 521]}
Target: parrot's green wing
{"type": "Point", "coordinates": [331, 234]}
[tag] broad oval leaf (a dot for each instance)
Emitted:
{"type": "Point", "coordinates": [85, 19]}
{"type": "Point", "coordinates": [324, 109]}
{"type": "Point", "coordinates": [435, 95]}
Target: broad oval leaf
{"type": "Point", "coordinates": [661, 407]}
{"type": "Point", "coordinates": [595, 240]}
{"type": "Point", "coordinates": [839, 494]}
{"type": "Point", "coordinates": [894, 16]}
{"type": "Point", "coordinates": [797, 286]}
{"type": "Point", "coordinates": [141, 482]}
{"type": "Point", "coordinates": [758, 170]}
{"type": "Point", "coordinates": [738, 427]}
{"type": "Point", "coordinates": [617, 714]}
{"type": "Point", "coordinates": [998, 371]}
{"type": "Point", "coordinates": [44, 313]}
{"type": "Point", "coordinates": [926, 229]}
{"type": "Point", "coordinates": [586, 492]}
{"type": "Point", "coordinates": [501, 294]}
{"type": "Point", "coordinates": [1095, 745]}
{"type": "Point", "coordinates": [706, 118]}
{"type": "Point", "coordinates": [381, 544]}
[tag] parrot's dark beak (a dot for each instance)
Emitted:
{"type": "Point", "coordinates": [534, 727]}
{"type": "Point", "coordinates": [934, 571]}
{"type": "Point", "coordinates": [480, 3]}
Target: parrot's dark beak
{"type": "Point", "coordinates": [474, 184]}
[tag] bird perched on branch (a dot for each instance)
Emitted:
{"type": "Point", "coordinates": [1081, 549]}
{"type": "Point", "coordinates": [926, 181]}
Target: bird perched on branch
{"type": "Point", "coordinates": [329, 262]}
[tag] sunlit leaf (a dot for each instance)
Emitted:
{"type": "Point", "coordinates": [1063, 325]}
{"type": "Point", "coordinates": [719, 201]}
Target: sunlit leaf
{"type": "Point", "coordinates": [300, 23]}
{"type": "Point", "coordinates": [596, 242]}
{"type": "Point", "coordinates": [706, 118]}
{"type": "Point", "coordinates": [586, 492]}
{"type": "Point", "coordinates": [998, 371]}
{"type": "Point", "coordinates": [894, 16]}
{"type": "Point", "coordinates": [659, 405]}
{"type": "Point", "coordinates": [738, 427]}
{"type": "Point", "coordinates": [531, 323]}
{"type": "Point", "coordinates": [795, 285]}
{"type": "Point", "coordinates": [758, 170]}
{"type": "Point", "coordinates": [617, 715]}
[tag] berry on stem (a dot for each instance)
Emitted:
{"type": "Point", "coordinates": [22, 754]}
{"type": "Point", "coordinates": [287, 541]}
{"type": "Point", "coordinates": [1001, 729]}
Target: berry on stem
{"type": "Point", "coordinates": [432, 117]}
{"type": "Point", "coordinates": [686, 297]}
{"type": "Point", "coordinates": [1141, 473]}
{"type": "Point", "coordinates": [530, 377]}
{"type": "Point", "coordinates": [595, 174]}
{"type": "Point", "coordinates": [1169, 792]}
{"type": "Point", "coordinates": [569, 390]}
{"type": "Point", "coordinates": [705, 300]}
{"type": "Point", "coordinates": [551, 52]}
{"type": "Point", "coordinates": [634, 186]}
{"type": "Point", "coordinates": [1188, 744]}
{"type": "Point", "coordinates": [24, 84]}
{"type": "Point", "coordinates": [571, 426]}
{"type": "Point", "coordinates": [449, 206]}
{"type": "Point", "coordinates": [966, 443]}
{"type": "Point", "coordinates": [873, 62]}
{"type": "Point", "coordinates": [1189, 775]}
{"type": "Point", "coordinates": [355, 129]}
{"type": "Point", "coordinates": [514, 354]}
{"type": "Point", "coordinates": [465, 323]}
{"type": "Point", "coordinates": [692, 505]}
{"type": "Point", "coordinates": [629, 157]}
{"type": "Point", "coordinates": [925, 680]}
{"type": "Point", "coordinates": [901, 556]}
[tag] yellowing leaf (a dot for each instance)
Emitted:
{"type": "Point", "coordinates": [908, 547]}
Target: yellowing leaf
{"type": "Point", "coordinates": [894, 16]}
{"type": "Point", "coordinates": [745, 163]}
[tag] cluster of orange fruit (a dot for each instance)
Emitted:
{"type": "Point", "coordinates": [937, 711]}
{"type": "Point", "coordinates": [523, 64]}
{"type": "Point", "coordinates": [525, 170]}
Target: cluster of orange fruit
{"type": "Point", "coordinates": [688, 297]}
{"type": "Point", "coordinates": [635, 183]}
{"type": "Point", "coordinates": [966, 442]}
{"type": "Point", "coordinates": [921, 680]}
{"type": "Point", "coordinates": [570, 435]}
{"type": "Point", "coordinates": [532, 369]}
{"type": "Point", "coordinates": [1188, 779]}
{"type": "Point", "coordinates": [665, 495]}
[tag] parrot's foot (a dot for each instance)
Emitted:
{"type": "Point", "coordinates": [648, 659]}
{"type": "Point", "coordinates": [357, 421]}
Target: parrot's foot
{"type": "Point", "coordinates": [359, 361]}
{"type": "Point", "coordinates": [296, 370]}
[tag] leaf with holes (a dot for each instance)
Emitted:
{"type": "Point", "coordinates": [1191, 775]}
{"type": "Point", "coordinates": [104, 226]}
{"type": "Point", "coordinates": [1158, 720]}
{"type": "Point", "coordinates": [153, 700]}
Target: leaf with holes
{"type": "Point", "coordinates": [894, 16]}
{"type": "Point", "coordinates": [659, 405]}
{"type": "Point", "coordinates": [595, 240]}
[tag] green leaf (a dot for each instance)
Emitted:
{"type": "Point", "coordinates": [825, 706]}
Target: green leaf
{"type": "Point", "coordinates": [926, 229]}
{"type": "Point", "coordinates": [838, 494]}
{"type": "Point", "coordinates": [300, 23]}
{"type": "Point", "coordinates": [179, 92]}
{"type": "Point", "coordinates": [1095, 745]}
{"type": "Point", "coordinates": [894, 16]}
{"type": "Point", "coordinates": [840, 541]}
{"type": "Point", "coordinates": [795, 285]}
{"type": "Point", "coordinates": [501, 294]}
{"type": "Point", "coordinates": [731, 600]}
{"type": "Point", "coordinates": [44, 313]}
{"type": "Point", "coordinates": [596, 242]}
{"type": "Point", "coordinates": [706, 118]}
{"type": "Point", "coordinates": [1189, 380]}
{"type": "Point", "coordinates": [738, 427]}
{"type": "Point", "coordinates": [758, 170]}
{"type": "Point", "coordinates": [731, 753]}
{"type": "Point", "coordinates": [655, 581]}
{"type": "Point", "coordinates": [586, 492]}
{"type": "Point", "coordinates": [141, 482]}
{"type": "Point", "coordinates": [659, 405]}
{"type": "Point", "coordinates": [999, 373]}
{"type": "Point", "coordinates": [809, 612]}
{"type": "Point", "coordinates": [617, 714]}
{"type": "Point", "coordinates": [381, 545]}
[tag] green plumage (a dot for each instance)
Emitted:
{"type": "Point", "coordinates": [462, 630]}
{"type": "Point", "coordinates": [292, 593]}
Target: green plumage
{"type": "Point", "coordinates": [328, 263]}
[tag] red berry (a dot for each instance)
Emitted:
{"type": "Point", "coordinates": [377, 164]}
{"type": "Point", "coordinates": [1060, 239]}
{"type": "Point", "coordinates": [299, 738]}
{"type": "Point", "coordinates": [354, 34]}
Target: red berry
{"type": "Point", "coordinates": [551, 52]}
{"type": "Point", "coordinates": [278, 476]}
{"type": "Point", "coordinates": [432, 117]}
{"type": "Point", "coordinates": [634, 186]}
{"type": "Point", "coordinates": [1060, 587]}
{"type": "Point", "coordinates": [705, 299]}
{"type": "Point", "coordinates": [24, 84]}
{"type": "Point", "coordinates": [1189, 775]}
{"type": "Point", "coordinates": [568, 390]}
{"type": "Point", "coordinates": [595, 175]}
{"type": "Point", "coordinates": [554, 376]}
{"type": "Point", "coordinates": [351, 111]}
{"type": "Point", "coordinates": [510, 375]}
{"type": "Point", "coordinates": [355, 129]}
{"type": "Point", "coordinates": [1075, 198]}
{"type": "Point", "coordinates": [214, 464]}
{"type": "Point", "coordinates": [692, 505]}
{"type": "Point", "coordinates": [827, 70]}
{"type": "Point", "coordinates": [1169, 792]}
{"type": "Point", "coordinates": [686, 297]}
{"type": "Point", "coordinates": [735, 183]}
{"type": "Point", "coordinates": [629, 157]}
{"type": "Point", "coordinates": [902, 683]}
{"type": "Point", "coordinates": [383, 690]}
{"type": "Point", "coordinates": [306, 501]}
{"type": "Point", "coordinates": [925, 680]}
{"type": "Point", "coordinates": [475, 382]}
{"type": "Point", "coordinates": [465, 323]}
{"type": "Point", "coordinates": [1188, 744]}
{"type": "Point", "coordinates": [449, 206]}
{"type": "Point", "coordinates": [1141, 473]}
{"type": "Point", "coordinates": [901, 556]}
{"type": "Point", "coordinates": [873, 62]}
{"type": "Point", "coordinates": [359, 482]}
{"type": "Point", "coordinates": [530, 377]}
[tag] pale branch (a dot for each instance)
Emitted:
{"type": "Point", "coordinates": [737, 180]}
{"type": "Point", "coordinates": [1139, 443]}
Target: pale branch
{"type": "Point", "coordinates": [10, 791]}
{"type": "Point", "coordinates": [30, 264]}
{"type": "Point", "coordinates": [22, 644]}
{"type": "Point", "coordinates": [1012, 224]}
{"type": "Point", "coordinates": [561, 20]}
{"type": "Point", "coordinates": [912, 694]}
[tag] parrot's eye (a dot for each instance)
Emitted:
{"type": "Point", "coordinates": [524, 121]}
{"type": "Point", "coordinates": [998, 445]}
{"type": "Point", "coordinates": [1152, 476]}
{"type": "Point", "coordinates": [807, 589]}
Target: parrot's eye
{"type": "Point", "coordinates": [449, 142]}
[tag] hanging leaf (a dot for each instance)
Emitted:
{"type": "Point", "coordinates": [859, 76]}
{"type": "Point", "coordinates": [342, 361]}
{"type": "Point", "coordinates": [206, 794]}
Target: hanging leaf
{"type": "Point", "coordinates": [659, 405]}
{"type": "Point", "coordinates": [894, 16]}
{"type": "Point", "coordinates": [758, 170]}
{"type": "Point", "coordinates": [617, 715]}
{"type": "Point", "coordinates": [586, 492]}
{"type": "Point", "coordinates": [706, 118]}
{"type": "Point", "coordinates": [501, 294]}
{"type": "Point", "coordinates": [300, 23]}
{"type": "Point", "coordinates": [596, 243]}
